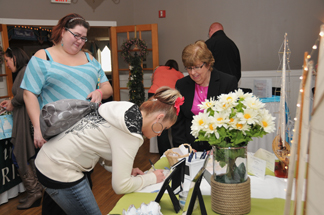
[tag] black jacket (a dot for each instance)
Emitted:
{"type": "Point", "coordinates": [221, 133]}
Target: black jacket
{"type": "Point", "coordinates": [226, 54]}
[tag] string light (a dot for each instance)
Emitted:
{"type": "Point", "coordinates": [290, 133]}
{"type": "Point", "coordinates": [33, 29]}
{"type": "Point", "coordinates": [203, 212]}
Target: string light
{"type": "Point", "coordinates": [34, 28]}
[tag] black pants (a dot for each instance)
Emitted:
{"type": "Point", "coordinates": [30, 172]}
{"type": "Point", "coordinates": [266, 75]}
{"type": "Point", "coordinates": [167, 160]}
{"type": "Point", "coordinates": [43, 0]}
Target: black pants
{"type": "Point", "coordinates": [163, 142]}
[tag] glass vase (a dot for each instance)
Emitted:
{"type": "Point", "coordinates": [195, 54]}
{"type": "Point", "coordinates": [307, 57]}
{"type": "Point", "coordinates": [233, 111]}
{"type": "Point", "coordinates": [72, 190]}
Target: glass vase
{"type": "Point", "coordinates": [229, 164]}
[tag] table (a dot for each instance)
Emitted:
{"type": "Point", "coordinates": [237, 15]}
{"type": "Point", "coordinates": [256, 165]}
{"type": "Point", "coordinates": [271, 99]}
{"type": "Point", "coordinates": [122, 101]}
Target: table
{"type": "Point", "coordinates": [11, 184]}
{"type": "Point", "coordinates": [273, 200]}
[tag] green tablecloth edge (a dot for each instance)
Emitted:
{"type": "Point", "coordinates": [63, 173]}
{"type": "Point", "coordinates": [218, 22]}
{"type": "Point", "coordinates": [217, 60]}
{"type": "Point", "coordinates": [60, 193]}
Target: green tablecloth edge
{"type": "Point", "coordinates": [258, 206]}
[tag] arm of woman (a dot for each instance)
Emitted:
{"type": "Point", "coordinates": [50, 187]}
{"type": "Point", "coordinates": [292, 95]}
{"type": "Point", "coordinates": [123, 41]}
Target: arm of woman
{"type": "Point", "coordinates": [124, 148]}
{"type": "Point", "coordinates": [33, 110]}
{"type": "Point", "coordinates": [104, 92]}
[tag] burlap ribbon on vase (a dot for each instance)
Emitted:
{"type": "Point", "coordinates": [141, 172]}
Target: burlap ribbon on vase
{"type": "Point", "coordinates": [231, 199]}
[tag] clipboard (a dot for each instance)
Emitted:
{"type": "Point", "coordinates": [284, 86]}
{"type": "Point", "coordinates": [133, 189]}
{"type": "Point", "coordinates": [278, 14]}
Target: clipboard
{"type": "Point", "coordinates": [176, 178]}
{"type": "Point", "coordinates": [195, 192]}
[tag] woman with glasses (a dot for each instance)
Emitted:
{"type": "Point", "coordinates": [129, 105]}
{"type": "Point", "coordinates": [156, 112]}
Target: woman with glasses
{"type": "Point", "coordinates": [203, 82]}
{"type": "Point", "coordinates": [23, 146]}
{"type": "Point", "coordinates": [63, 71]}
{"type": "Point", "coordinates": [115, 135]}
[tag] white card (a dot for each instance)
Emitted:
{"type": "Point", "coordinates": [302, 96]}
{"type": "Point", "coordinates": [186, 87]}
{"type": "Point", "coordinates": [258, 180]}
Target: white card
{"type": "Point", "coordinates": [269, 157]}
{"type": "Point", "coordinates": [256, 166]}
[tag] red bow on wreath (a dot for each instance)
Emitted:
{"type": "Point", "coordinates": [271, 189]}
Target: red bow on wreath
{"type": "Point", "coordinates": [179, 101]}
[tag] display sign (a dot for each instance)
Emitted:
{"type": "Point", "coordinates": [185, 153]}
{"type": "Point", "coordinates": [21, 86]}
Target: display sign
{"type": "Point", "coordinates": [61, 1]}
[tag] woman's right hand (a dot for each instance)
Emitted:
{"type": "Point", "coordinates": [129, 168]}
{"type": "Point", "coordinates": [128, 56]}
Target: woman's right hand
{"type": "Point", "coordinates": [38, 138]}
{"type": "Point", "coordinates": [159, 175]}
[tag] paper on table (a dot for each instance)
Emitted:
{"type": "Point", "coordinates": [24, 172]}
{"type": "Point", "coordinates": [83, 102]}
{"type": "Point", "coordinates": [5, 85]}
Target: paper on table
{"type": "Point", "coordinates": [267, 156]}
{"type": "Point", "coordinates": [256, 166]}
{"type": "Point", "coordinates": [183, 150]}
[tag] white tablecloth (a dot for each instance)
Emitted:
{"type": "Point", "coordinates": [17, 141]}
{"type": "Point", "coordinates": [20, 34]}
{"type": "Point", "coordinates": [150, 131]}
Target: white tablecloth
{"type": "Point", "coordinates": [11, 193]}
{"type": "Point", "coordinates": [268, 188]}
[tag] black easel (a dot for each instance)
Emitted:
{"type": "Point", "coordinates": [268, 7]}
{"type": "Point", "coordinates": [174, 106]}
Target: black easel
{"type": "Point", "coordinates": [177, 172]}
{"type": "Point", "coordinates": [197, 193]}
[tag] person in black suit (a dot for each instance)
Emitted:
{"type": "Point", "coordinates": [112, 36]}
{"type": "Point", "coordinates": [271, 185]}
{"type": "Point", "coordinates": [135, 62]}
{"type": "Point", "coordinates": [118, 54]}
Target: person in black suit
{"type": "Point", "coordinates": [225, 52]}
{"type": "Point", "coordinates": [203, 82]}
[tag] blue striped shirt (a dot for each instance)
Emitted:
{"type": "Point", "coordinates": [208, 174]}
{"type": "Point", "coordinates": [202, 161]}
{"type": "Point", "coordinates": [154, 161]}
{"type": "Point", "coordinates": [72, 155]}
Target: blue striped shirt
{"type": "Point", "coordinates": [52, 81]}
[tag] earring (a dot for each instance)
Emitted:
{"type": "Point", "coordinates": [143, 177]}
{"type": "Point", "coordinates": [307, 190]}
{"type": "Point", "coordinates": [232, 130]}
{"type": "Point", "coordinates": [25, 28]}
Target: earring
{"type": "Point", "coordinates": [62, 42]}
{"type": "Point", "coordinates": [157, 132]}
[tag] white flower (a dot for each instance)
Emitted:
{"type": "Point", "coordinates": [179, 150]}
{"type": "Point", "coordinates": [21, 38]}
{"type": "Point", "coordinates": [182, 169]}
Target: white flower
{"type": "Point", "coordinates": [232, 122]}
{"type": "Point", "coordinates": [250, 116]}
{"type": "Point", "coordinates": [253, 103]}
{"type": "Point", "coordinates": [221, 119]}
{"type": "Point", "coordinates": [199, 122]}
{"type": "Point", "coordinates": [228, 99]}
{"type": "Point", "coordinates": [241, 127]}
{"type": "Point", "coordinates": [240, 94]}
{"type": "Point", "coordinates": [212, 127]}
{"type": "Point", "coordinates": [267, 121]}
{"type": "Point", "coordinates": [233, 112]}
{"type": "Point", "coordinates": [207, 104]}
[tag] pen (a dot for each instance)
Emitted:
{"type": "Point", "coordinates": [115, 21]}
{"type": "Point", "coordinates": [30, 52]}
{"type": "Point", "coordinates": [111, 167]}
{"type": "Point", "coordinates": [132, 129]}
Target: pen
{"type": "Point", "coordinates": [190, 156]}
{"type": "Point", "coordinates": [152, 165]}
{"type": "Point", "coordinates": [202, 155]}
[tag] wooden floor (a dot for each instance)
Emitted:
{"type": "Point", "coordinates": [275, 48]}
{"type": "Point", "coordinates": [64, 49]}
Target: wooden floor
{"type": "Point", "coordinates": [102, 190]}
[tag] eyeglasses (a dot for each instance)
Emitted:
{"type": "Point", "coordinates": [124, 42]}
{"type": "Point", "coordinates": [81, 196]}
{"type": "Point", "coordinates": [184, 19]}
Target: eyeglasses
{"type": "Point", "coordinates": [196, 68]}
{"type": "Point", "coordinates": [77, 36]}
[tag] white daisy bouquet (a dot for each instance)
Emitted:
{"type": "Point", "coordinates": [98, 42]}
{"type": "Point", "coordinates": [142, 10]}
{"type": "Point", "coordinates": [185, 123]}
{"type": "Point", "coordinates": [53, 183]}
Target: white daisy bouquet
{"type": "Point", "coordinates": [232, 120]}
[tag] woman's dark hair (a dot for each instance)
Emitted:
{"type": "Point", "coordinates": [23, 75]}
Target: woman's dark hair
{"type": "Point", "coordinates": [19, 56]}
{"type": "Point", "coordinates": [172, 64]}
{"type": "Point", "coordinates": [68, 21]}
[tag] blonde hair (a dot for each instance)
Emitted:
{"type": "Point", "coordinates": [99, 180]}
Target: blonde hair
{"type": "Point", "coordinates": [198, 51]}
{"type": "Point", "coordinates": [163, 100]}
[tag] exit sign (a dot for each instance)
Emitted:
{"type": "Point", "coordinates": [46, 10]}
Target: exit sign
{"type": "Point", "coordinates": [61, 1]}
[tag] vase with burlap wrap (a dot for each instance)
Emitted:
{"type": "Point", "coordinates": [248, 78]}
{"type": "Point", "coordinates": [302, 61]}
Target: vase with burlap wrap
{"type": "Point", "coordinates": [230, 185]}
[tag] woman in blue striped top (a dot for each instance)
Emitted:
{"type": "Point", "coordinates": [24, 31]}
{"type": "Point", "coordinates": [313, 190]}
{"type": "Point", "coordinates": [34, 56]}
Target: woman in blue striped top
{"type": "Point", "coordinates": [62, 71]}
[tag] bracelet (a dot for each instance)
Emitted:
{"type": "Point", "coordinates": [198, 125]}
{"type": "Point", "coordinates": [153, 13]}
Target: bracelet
{"type": "Point", "coordinates": [99, 92]}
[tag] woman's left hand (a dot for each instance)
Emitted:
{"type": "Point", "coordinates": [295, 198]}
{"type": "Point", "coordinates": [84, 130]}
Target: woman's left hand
{"type": "Point", "coordinates": [95, 96]}
{"type": "Point", "coordinates": [7, 104]}
{"type": "Point", "coordinates": [136, 171]}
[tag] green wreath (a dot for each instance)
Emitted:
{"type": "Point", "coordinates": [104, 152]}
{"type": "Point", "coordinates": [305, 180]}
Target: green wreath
{"type": "Point", "coordinates": [126, 49]}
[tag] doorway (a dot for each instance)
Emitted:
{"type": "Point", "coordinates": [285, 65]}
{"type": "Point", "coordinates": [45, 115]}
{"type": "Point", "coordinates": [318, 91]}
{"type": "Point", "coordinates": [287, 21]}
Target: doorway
{"type": "Point", "coordinates": [98, 39]}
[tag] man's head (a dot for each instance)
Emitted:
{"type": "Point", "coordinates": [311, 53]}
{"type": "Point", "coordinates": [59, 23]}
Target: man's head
{"type": "Point", "coordinates": [216, 26]}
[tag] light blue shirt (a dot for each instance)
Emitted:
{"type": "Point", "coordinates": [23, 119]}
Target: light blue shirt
{"type": "Point", "coordinates": [52, 81]}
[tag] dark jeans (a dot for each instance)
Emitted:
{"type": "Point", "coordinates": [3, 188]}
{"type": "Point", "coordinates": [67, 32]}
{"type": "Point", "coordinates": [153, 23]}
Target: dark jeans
{"type": "Point", "coordinates": [50, 207]}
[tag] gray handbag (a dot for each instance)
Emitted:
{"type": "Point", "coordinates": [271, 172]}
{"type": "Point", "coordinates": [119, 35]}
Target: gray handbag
{"type": "Point", "coordinates": [56, 117]}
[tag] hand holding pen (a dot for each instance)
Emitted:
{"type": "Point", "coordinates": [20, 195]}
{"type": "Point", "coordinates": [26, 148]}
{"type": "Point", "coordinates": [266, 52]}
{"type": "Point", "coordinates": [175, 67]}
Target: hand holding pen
{"type": "Point", "coordinates": [159, 173]}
